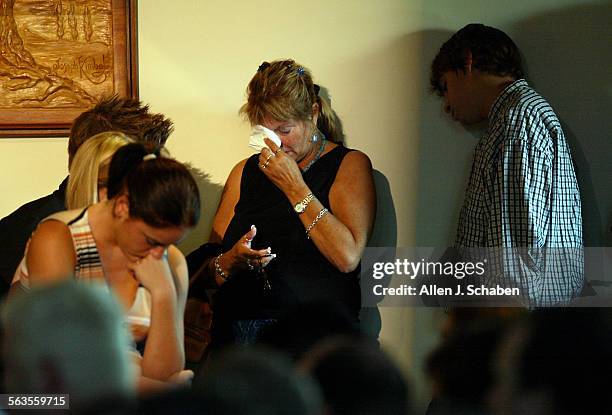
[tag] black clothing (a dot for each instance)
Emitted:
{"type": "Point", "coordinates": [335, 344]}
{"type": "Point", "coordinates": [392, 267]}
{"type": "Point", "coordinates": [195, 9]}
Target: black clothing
{"type": "Point", "coordinates": [299, 274]}
{"type": "Point", "coordinates": [16, 229]}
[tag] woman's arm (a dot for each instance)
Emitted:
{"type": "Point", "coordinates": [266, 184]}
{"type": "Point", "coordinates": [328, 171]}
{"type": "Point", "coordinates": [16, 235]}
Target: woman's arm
{"type": "Point", "coordinates": [167, 281]}
{"type": "Point", "coordinates": [50, 255]}
{"type": "Point", "coordinates": [229, 199]}
{"type": "Point", "coordinates": [342, 236]}
{"type": "Point", "coordinates": [235, 259]}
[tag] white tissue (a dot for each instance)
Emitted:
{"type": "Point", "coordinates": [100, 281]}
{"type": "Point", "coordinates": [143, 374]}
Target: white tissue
{"type": "Point", "coordinates": [256, 141]}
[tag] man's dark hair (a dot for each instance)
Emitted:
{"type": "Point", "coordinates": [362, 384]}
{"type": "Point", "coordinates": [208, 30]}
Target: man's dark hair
{"type": "Point", "coordinates": [568, 370]}
{"type": "Point", "coordinates": [357, 378]}
{"type": "Point", "coordinates": [492, 52]}
{"type": "Point", "coordinates": [255, 381]}
{"type": "Point", "coordinates": [125, 115]}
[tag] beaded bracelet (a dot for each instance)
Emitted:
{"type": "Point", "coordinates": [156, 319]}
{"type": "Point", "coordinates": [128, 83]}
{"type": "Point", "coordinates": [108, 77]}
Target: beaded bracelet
{"type": "Point", "coordinates": [218, 269]}
{"type": "Point", "coordinates": [314, 222]}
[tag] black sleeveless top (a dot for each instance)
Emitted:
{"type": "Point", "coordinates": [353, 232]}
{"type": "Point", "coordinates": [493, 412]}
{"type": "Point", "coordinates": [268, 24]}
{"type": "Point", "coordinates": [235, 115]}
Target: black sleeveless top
{"type": "Point", "coordinates": [300, 273]}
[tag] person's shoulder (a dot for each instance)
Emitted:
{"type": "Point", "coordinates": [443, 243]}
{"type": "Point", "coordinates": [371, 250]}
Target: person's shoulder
{"type": "Point", "coordinates": [239, 167]}
{"type": "Point", "coordinates": [50, 229]}
{"type": "Point", "coordinates": [56, 225]}
{"type": "Point", "coordinates": [50, 238]}
{"type": "Point", "coordinates": [33, 212]}
{"type": "Point", "coordinates": [65, 216]}
{"type": "Point", "coordinates": [527, 102]}
{"type": "Point", "coordinates": [355, 167]}
{"type": "Point", "coordinates": [51, 254]}
{"type": "Point", "coordinates": [175, 256]}
{"type": "Point", "coordinates": [237, 171]}
{"type": "Point", "coordinates": [527, 112]}
{"type": "Point", "coordinates": [356, 159]}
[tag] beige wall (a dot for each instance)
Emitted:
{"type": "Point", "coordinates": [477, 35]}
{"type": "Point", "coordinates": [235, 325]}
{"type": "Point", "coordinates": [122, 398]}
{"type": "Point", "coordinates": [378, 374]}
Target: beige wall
{"type": "Point", "coordinates": [196, 58]}
{"type": "Point", "coordinates": [358, 50]}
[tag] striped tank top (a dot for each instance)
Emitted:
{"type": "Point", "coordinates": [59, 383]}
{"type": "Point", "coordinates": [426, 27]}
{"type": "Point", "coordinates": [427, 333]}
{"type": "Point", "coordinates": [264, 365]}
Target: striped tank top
{"type": "Point", "coordinates": [89, 268]}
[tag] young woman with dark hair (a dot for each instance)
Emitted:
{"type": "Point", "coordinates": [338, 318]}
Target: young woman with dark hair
{"type": "Point", "coordinates": [127, 242]}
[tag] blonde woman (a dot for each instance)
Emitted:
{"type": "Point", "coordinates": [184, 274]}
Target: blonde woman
{"type": "Point", "coordinates": [127, 242]}
{"type": "Point", "coordinates": [293, 220]}
{"type": "Point", "coordinates": [86, 183]}
{"type": "Point", "coordinates": [89, 169]}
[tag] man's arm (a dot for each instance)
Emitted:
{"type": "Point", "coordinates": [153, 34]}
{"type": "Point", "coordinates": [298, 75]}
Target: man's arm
{"type": "Point", "coordinates": [525, 184]}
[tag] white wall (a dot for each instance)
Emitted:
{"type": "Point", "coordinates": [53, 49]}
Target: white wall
{"type": "Point", "coordinates": [196, 58]}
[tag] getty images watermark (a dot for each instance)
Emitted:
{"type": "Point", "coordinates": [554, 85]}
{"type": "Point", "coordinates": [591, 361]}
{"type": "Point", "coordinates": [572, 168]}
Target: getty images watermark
{"type": "Point", "coordinates": [459, 270]}
{"type": "Point", "coordinates": [523, 277]}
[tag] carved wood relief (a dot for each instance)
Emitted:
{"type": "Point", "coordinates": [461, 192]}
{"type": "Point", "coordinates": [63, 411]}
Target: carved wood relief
{"type": "Point", "coordinates": [57, 57]}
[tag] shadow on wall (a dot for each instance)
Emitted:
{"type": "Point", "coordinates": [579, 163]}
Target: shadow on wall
{"type": "Point", "coordinates": [568, 59]}
{"type": "Point", "coordinates": [385, 223]}
{"type": "Point", "coordinates": [567, 53]}
{"type": "Point", "coordinates": [210, 194]}
{"type": "Point", "coordinates": [445, 153]}
{"type": "Point", "coordinates": [384, 94]}
{"type": "Point", "coordinates": [383, 234]}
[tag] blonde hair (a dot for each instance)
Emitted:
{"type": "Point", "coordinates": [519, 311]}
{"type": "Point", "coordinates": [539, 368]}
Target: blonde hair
{"type": "Point", "coordinates": [284, 90]}
{"type": "Point", "coordinates": [82, 189]}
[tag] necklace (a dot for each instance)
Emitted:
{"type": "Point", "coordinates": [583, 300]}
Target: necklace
{"type": "Point", "coordinates": [316, 157]}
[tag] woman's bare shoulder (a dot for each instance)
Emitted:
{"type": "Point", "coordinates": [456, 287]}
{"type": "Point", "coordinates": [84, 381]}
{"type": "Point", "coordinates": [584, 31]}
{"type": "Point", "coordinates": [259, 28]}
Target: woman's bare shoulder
{"type": "Point", "coordinates": [51, 254]}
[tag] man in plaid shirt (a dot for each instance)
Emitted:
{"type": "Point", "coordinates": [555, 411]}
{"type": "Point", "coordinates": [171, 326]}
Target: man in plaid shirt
{"type": "Point", "coordinates": [522, 196]}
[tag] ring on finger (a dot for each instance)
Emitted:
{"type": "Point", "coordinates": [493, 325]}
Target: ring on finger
{"type": "Point", "coordinates": [278, 150]}
{"type": "Point", "coordinates": [268, 159]}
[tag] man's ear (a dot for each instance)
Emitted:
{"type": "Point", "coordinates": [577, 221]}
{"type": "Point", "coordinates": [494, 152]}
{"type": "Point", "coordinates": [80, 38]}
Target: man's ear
{"type": "Point", "coordinates": [121, 207]}
{"type": "Point", "coordinates": [468, 61]}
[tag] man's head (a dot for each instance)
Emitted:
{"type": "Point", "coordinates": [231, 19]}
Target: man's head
{"type": "Point", "coordinates": [472, 54]}
{"type": "Point", "coordinates": [356, 377]}
{"type": "Point", "coordinates": [254, 381]}
{"type": "Point", "coordinates": [125, 115]}
{"type": "Point", "coordinates": [552, 362]}
{"type": "Point", "coordinates": [67, 337]}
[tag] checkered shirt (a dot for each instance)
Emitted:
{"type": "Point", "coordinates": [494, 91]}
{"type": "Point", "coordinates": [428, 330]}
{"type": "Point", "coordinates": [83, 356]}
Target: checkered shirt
{"type": "Point", "coordinates": [523, 197]}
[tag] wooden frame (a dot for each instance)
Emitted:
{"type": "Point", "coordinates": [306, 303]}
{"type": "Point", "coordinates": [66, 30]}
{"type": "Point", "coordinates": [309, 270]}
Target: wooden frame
{"type": "Point", "coordinates": [58, 57]}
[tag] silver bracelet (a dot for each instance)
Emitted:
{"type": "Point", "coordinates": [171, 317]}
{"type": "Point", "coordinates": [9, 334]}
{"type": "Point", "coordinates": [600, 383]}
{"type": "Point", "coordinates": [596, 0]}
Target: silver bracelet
{"type": "Point", "coordinates": [314, 222]}
{"type": "Point", "coordinates": [218, 269]}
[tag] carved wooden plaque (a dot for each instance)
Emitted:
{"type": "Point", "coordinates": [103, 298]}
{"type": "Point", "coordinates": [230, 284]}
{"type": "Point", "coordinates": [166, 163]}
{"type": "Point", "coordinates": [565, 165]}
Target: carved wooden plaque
{"type": "Point", "coordinates": [58, 57]}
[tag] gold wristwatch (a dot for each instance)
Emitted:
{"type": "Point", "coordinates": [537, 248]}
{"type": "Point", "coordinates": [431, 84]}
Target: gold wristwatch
{"type": "Point", "coordinates": [300, 206]}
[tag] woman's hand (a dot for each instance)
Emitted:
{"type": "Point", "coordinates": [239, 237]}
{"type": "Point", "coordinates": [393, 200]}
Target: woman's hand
{"type": "Point", "coordinates": [281, 169]}
{"type": "Point", "coordinates": [241, 257]}
{"type": "Point", "coordinates": [182, 378]}
{"type": "Point", "coordinates": [167, 280]}
{"type": "Point", "coordinates": [155, 275]}
{"type": "Point", "coordinates": [147, 386]}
